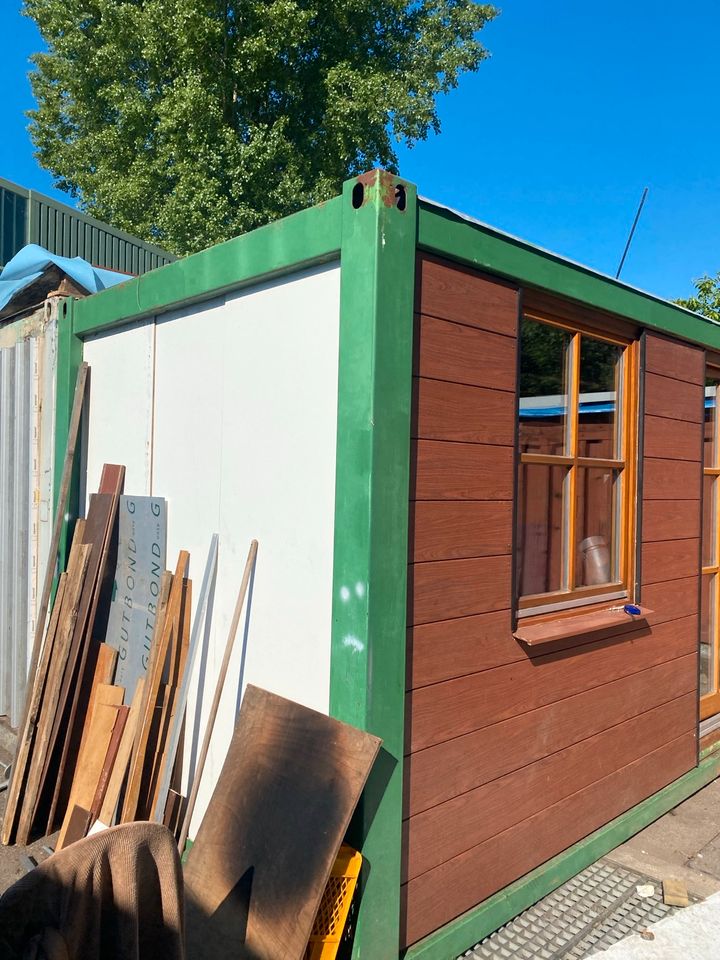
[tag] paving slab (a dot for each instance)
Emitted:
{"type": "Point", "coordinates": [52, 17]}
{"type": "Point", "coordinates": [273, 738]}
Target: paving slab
{"type": "Point", "coordinates": [689, 934]}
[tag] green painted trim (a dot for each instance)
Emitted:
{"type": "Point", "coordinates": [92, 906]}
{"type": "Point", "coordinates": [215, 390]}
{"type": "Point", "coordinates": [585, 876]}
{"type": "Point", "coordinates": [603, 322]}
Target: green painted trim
{"type": "Point", "coordinates": [447, 234]}
{"type": "Point", "coordinates": [367, 676]}
{"type": "Point", "coordinates": [457, 937]}
{"type": "Point", "coordinates": [69, 358]}
{"type": "Point", "coordinates": [311, 236]}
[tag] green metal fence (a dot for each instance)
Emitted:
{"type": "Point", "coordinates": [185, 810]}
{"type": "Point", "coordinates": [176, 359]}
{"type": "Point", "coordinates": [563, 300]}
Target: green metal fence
{"type": "Point", "coordinates": [29, 217]}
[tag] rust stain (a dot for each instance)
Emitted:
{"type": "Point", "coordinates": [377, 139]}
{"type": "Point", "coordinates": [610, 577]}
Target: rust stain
{"type": "Point", "coordinates": [385, 183]}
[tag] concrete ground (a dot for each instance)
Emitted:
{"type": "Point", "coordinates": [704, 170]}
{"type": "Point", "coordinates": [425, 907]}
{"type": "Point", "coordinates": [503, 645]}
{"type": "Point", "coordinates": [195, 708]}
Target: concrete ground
{"type": "Point", "coordinates": [691, 934]}
{"type": "Point", "coordinates": [683, 845]}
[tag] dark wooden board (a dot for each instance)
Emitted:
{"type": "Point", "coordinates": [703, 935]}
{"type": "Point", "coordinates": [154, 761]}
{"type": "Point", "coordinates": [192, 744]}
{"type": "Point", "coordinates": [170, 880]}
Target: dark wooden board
{"type": "Point", "coordinates": [456, 411]}
{"type": "Point", "coordinates": [262, 856]}
{"type": "Point", "coordinates": [457, 885]}
{"type": "Point", "coordinates": [542, 303]}
{"type": "Point", "coordinates": [458, 529]}
{"type": "Point", "coordinates": [674, 359]}
{"type": "Point", "coordinates": [671, 479]}
{"type": "Point", "coordinates": [455, 707]}
{"type": "Point", "coordinates": [441, 470]}
{"type": "Point", "coordinates": [458, 588]}
{"type": "Point", "coordinates": [457, 293]}
{"type": "Point", "coordinates": [460, 354]}
{"type": "Point", "coordinates": [444, 771]}
{"type": "Point", "coordinates": [447, 830]}
{"type": "Point", "coordinates": [670, 559]}
{"type": "Point", "coordinates": [674, 399]}
{"type": "Point", "coordinates": [669, 440]}
{"type": "Point", "coordinates": [672, 600]}
{"type": "Point", "coordinates": [670, 520]}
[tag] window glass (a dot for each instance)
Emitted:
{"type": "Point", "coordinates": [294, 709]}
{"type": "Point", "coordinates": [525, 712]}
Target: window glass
{"type": "Point", "coordinates": [543, 387]}
{"type": "Point", "coordinates": [710, 438]}
{"type": "Point", "coordinates": [596, 533]}
{"type": "Point", "coordinates": [541, 527]}
{"type": "Point", "coordinates": [708, 530]}
{"type": "Point", "coordinates": [600, 375]}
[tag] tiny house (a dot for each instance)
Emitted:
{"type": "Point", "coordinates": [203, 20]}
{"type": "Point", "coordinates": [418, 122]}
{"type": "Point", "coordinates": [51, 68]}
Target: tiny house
{"type": "Point", "coordinates": [485, 483]}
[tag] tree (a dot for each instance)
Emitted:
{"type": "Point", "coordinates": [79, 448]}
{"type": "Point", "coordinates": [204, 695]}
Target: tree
{"type": "Point", "coordinates": [189, 121]}
{"type": "Point", "coordinates": [707, 299]}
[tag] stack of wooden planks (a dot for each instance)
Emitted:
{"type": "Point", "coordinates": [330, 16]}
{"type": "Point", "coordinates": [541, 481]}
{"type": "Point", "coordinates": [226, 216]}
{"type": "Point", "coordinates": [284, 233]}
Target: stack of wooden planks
{"type": "Point", "coordinates": [83, 754]}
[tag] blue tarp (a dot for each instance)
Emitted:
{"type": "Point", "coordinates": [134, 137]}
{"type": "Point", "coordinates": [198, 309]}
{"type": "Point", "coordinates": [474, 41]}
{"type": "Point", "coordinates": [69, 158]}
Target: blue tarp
{"type": "Point", "coordinates": [32, 261]}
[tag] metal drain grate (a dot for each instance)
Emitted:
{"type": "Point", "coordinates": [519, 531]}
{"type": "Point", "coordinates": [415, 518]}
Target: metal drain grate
{"type": "Point", "coordinates": [584, 916]}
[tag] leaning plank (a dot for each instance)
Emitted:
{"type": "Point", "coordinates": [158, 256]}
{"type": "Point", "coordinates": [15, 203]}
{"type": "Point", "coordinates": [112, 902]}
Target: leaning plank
{"type": "Point", "coordinates": [104, 672]}
{"type": "Point", "coordinates": [92, 534]}
{"type": "Point", "coordinates": [26, 728]}
{"type": "Point", "coordinates": [290, 783]}
{"type": "Point", "coordinates": [177, 725]}
{"type": "Point", "coordinates": [152, 687]}
{"type": "Point", "coordinates": [90, 762]}
{"type": "Point", "coordinates": [119, 770]}
{"type": "Point", "coordinates": [109, 762]}
{"type": "Point", "coordinates": [112, 482]}
{"type": "Point", "coordinates": [77, 569]}
{"type": "Point", "coordinates": [22, 756]}
{"type": "Point", "coordinates": [178, 665]}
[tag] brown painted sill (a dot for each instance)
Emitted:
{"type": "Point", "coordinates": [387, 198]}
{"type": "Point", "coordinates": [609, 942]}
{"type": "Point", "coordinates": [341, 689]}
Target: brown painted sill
{"type": "Point", "coordinates": [534, 634]}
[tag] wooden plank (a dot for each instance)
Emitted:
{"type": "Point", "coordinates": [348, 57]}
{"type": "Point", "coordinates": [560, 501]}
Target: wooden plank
{"type": "Point", "coordinates": [153, 679]}
{"type": "Point", "coordinates": [545, 304]}
{"type": "Point", "coordinates": [78, 825]}
{"type": "Point", "coordinates": [289, 785]}
{"type": "Point", "coordinates": [671, 601]}
{"type": "Point", "coordinates": [670, 560]}
{"type": "Point", "coordinates": [460, 354]}
{"type": "Point", "coordinates": [667, 439]}
{"type": "Point", "coordinates": [178, 662]}
{"type": "Point", "coordinates": [459, 884]}
{"type": "Point", "coordinates": [441, 470]}
{"type": "Point", "coordinates": [120, 767]}
{"type": "Point", "coordinates": [455, 707]}
{"type": "Point", "coordinates": [109, 761]}
{"type": "Point", "coordinates": [448, 830]}
{"type": "Point", "coordinates": [455, 411]}
{"type": "Point", "coordinates": [666, 397]}
{"type": "Point", "coordinates": [112, 481]}
{"type": "Point", "coordinates": [77, 569]}
{"type": "Point", "coordinates": [455, 648]}
{"type": "Point", "coordinates": [671, 480]}
{"type": "Point", "coordinates": [459, 529]}
{"type": "Point", "coordinates": [25, 731]}
{"type": "Point", "coordinates": [103, 673]}
{"type": "Point", "coordinates": [673, 358]}
{"type": "Point", "coordinates": [670, 520]}
{"type": "Point", "coordinates": [452, 292]}
{"type": "Point", "coordinates": [458, 588]}
{"type": "Point", "coordinates": [90, 763]}
{"type": "Point", "coordinates": [456, 766]}
{"type": "Point", "coordinates": [93, 535]}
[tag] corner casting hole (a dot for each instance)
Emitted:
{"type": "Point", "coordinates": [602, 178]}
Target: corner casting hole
{"type": "Point", "coordinates": [400, 198]}
{"type": "Point", "coordinates": [358, 195]}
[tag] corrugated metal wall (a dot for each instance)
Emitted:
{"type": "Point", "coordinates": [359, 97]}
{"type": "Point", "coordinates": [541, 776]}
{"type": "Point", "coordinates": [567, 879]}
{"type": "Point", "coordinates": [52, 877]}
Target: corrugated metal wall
{"type": "Point", "coordinates": [27, 375]}
{"type": "Point", "coordinates": [30, 217]}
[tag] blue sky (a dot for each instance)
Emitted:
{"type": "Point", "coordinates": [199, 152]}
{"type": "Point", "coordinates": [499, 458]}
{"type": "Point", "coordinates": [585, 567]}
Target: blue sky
{"type": "Point", "coordinates": [580, 107]}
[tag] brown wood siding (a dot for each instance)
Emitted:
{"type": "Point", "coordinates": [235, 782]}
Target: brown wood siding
{"type": "Point", "coordinates": [512, 755]}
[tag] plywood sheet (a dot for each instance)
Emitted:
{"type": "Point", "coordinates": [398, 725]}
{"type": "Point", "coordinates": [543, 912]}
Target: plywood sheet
{"type": "Point", "coordinates": [261, 859]}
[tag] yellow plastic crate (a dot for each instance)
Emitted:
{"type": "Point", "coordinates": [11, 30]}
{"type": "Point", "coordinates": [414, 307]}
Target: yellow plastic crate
{"type": "Point", "coordinates": [335, 905]}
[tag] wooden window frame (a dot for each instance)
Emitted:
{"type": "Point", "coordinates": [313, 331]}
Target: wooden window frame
{"type": "Point", "coordinates": [627, 465]}
{"type": "Point", "coordinates": [710, 702]}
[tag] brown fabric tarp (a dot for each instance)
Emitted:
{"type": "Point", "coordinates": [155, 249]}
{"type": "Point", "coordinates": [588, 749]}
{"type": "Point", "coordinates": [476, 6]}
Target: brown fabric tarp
{"type": "Point", "coordinates": [117, 895]}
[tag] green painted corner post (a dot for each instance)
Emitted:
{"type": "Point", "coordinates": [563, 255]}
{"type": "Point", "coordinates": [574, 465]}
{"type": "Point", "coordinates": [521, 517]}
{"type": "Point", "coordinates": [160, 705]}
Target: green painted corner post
{"type": "Point", "coordinates": [367, 686]}
{"type": "Point", "coordinates": [69, 358]}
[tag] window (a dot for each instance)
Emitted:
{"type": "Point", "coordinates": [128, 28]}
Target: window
{"type": "Point", "coordinates": [575, 476]}
{"type": "Point", "coordinates": [709, 689]}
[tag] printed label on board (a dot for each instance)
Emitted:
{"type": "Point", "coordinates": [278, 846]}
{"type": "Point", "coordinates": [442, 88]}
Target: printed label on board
{"type": "Point", "coordinates": [142, 544]}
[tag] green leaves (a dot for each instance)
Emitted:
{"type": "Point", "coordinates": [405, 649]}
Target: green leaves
{"type": "Point", "coordinates": [187, 122]}
{"type": "Point", "coordinates": [707, 299]}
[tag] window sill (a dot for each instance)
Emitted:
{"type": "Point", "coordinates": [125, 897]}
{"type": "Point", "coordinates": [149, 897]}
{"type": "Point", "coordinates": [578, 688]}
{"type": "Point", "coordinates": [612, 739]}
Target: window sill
{"type": "Point", "coordinates": [549, 631]}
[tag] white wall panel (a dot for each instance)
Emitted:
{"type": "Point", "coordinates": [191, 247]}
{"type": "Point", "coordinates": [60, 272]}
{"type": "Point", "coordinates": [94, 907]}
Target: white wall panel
{"type": "Point", "coordinates": [241, 442]}
{"type": "Point", "coordinates": [119, 422]}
